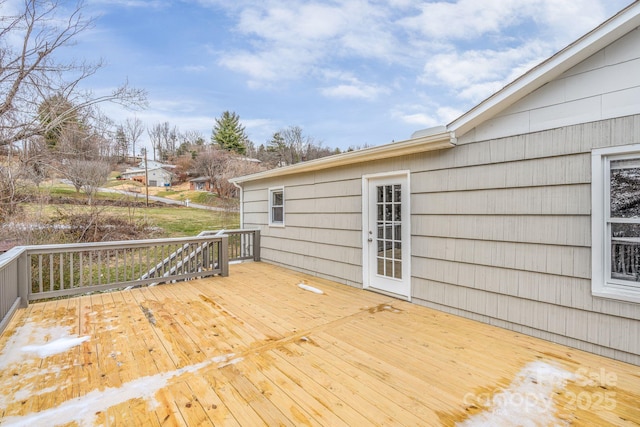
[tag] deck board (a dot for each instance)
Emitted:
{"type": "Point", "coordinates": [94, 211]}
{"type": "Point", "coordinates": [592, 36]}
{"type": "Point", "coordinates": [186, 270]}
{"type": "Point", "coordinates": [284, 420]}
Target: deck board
{"type": "Point", "coordinates": [255, 349]}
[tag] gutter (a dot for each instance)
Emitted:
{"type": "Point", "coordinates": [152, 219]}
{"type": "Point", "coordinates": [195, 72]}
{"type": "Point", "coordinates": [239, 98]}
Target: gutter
{"type": "Point", "coordinates": [440, 139]}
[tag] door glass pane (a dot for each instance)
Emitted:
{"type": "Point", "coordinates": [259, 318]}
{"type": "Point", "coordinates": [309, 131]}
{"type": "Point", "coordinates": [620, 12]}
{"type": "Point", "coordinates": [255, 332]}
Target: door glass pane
{"type": "Point", "coordinates": [398, 250]}
{"type": "Point", "coordinates": [397, 213]}
{"type": "Point", "coordinates": [389, 233]}
{"type": "Point", "coordinates": [387, 193]}
{"type": "Point", "coordinates": [397, 269]}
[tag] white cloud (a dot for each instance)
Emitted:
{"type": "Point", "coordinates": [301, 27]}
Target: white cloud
{"type": "Point", "coordinates": [475, 74]}
{"type": "Point", "coordinates": [462, 19]}
{"type": "Point", "coordinates": [425, 114]}
{"type": "Point", "coordinates": [349, 86]}
{"type": "Point", "coordinates": [304, 37]}
{"type": "Point", "coordinates": [302, 25]}
{"type": "Point", "coordinates": [354, 91]}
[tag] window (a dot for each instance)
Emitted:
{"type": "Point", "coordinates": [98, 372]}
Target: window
{"type": "Point", "coordinates": [615, 223]}
{"type": "Point", "coordinates": [276, 206]}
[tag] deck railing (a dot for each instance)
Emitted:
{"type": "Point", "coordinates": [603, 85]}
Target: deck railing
{"type": "Point", "coordinates": [243, 244]}
{"type": "Point", "coordinates": [29, 273]}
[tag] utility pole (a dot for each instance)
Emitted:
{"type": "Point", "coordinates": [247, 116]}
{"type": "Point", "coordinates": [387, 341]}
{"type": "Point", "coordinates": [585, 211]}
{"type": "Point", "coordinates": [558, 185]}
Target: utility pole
{"type": "Point", "coordinates": [146, 177]}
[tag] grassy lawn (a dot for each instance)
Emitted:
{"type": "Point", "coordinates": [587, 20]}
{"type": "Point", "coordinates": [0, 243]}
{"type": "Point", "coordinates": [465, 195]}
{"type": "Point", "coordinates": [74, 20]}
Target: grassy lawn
{"type": "Point", "coordinates": [181, 221]}
{"type": "Point", "coordinates": [175, 221]}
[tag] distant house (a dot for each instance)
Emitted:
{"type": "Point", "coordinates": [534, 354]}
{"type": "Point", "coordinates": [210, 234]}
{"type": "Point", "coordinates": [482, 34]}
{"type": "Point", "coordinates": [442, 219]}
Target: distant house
{"type": "Point", "coordinates": [153, 164]}
{"type": "Point", "coordinates": [158, 176]}
{"type": "Point", "coordinates": [515, 214]}
{"type": "Point", "coordinates": [201, 183]}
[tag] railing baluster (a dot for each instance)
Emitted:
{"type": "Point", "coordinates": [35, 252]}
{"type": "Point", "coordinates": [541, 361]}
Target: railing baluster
{"type": "Point", "coordinates": [62, 271]}
{"type": "Point", "coordinates": [40, 286]}
{"type": "Point", "coordinates": [71, 284]}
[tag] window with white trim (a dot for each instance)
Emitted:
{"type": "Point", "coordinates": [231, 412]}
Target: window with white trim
{"type": "Point", "coordinates": [276, 206]}
{"type": "Point", "coordinates": [615, 225]}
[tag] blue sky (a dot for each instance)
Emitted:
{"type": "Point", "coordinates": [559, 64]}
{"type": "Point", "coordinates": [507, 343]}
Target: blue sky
{"type": "Point", "coordinates": [348, 72]}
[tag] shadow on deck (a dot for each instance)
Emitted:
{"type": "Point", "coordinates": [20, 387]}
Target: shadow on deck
{"type": "Point", "coordinates": [255, 348]}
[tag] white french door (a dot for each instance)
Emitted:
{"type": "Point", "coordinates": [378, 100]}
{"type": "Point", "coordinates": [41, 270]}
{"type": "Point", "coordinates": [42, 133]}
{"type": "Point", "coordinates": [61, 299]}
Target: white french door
{"type": "Point", "coordinates": [386, 234]}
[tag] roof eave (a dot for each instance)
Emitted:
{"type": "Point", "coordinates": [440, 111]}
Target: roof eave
{"type": "Point", "coordinates": [438, 141]}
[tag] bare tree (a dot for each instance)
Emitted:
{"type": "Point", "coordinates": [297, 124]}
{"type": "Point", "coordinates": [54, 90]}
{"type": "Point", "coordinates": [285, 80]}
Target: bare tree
{"type": "Point", "coordinates": [9, 178]}
{"type": "Point", "coordinates": [220, 165]}
{"type": "Point", "coordinates": [211, 164]}
{"type": "Point", "coordinates": [133, 128]}
{"type": "Point", "coordinates": [164, 140]}
{"type": "Point", "coordinates": [291, 145]}
{"type": "Point", "coordinates": [86, 175]}
{"type": "Point", "coordinates": [30, 72]}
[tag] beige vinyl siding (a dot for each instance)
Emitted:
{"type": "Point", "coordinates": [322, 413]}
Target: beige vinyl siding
{"type": "Point", "coordinates": [322, 227]}
{"type": "Point", "coordinates": [501, 232]}
{"type": "Point", "coordinates": [510, 242]}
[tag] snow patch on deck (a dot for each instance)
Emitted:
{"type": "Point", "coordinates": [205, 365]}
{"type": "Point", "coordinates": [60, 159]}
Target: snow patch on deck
{"type": "Point", "coordinates": [43, 342]}
{"type": "Point", "coordinates": [54, 347]}
{"type": "Point", "coordinates": [528, 401]}
{"type": "Point", "coordinates": [310, 288]}
{"type": "Point", "coordinates": [83, 410]}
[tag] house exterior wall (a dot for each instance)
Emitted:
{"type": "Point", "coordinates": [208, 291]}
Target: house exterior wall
{"type": "Point", "coordinates": [500, 224]}
{"type": "Point", "coordinates": [602, 87]}
{"type": "Point", "coordinates": [501, 233]}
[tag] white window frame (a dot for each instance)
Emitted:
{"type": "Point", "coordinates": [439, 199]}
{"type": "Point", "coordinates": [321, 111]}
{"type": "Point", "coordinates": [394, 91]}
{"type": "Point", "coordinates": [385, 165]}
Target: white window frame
{"type": "Point", "coordinates": [272, 191]}
{"type": "Point", "coordinates": [602, 285]}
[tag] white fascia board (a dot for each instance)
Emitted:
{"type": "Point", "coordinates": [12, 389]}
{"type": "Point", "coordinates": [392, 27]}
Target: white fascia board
{"type": "Point", "coordinates": [611, 30]}
{"type": "Point", "coordinates": [438, 141]}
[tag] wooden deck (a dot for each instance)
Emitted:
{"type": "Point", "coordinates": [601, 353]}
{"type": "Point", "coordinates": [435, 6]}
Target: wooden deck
{"type": "Point", "coordinates": [256, 349]}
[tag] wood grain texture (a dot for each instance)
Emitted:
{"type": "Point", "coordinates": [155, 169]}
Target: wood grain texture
{"type": "Point", "coordinates": [255, 349]}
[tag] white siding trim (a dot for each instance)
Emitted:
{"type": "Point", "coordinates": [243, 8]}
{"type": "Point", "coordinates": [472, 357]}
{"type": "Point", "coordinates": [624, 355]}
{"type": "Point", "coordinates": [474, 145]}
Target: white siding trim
{"type": "Point", "coordinates": [600, 286]}
{"type": "Point", "coordinates": [406, 241]}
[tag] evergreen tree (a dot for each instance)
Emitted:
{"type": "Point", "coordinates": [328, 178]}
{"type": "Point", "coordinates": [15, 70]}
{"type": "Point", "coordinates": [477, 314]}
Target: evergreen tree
{"type": "Point", "coordinates": [229, 134]}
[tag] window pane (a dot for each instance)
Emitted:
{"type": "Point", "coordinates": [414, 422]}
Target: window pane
{"type": "Point", "coordinates": [625, 189]}
{"type": "Point", "coordinates": [380, 194]}
{"type": "Point", "coordinates": [276, 214]}
{"type": "Point", "coordinates": [277, 198]}
{"type": "Point", "coordinates": [625, 252]}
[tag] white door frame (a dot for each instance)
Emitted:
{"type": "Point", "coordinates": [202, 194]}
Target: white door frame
{"type": "Point", "coordinates": [368, 270]}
